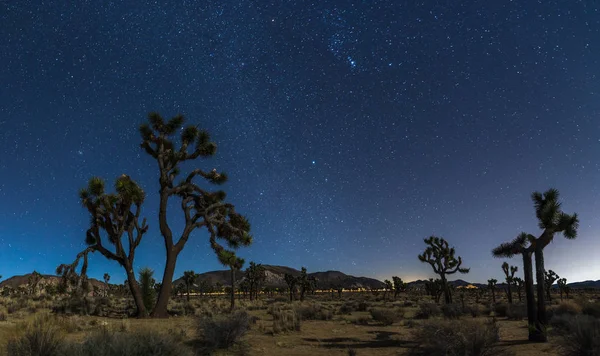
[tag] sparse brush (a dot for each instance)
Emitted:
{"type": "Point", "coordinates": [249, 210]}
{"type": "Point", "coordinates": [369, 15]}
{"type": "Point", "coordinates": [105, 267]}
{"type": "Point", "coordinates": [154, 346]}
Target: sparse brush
{"type": "Point", "coordinates": [452, 311]}
{"type": "Point", "coordinates": [224, 330]}
{"type": "Point", "coordinates": [500, 310]}
{"type": "Point", "coordinates": [361, 320]}
{"type": "Point", "coordinates": [592, 309]}
{"type": "Point", "coordinates": [386, 316]}
{"type": "Point", "coordinates": [516, 312]}
{"type": "Point", "coordinates": [313, 311]}
{"type": "Point", "coordinates": [581, 337]}
{"type": "Point", "coordinates": [285, 320]}
{"type": "Point", "coordinates": [41, 337]}
{"type": "Point", "coordinates": [567, 307]}
{"type": "Point", "coordinates": [427, 310]}
{"type": "Point", "coordinates": [362, 306]}
{"type": "Point", "coordinates": [465, 337]}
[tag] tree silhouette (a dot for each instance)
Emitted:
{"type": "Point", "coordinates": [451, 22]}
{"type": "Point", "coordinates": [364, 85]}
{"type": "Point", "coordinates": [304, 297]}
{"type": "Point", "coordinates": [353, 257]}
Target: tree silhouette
{"type": "Point", "coordinates": [509, 272]}
{"type": "Point", "coordinates": [106, 279]}
{"type": "Point", "coordinates": [235, 264]}
{"type": "Point", "coordinates": [305, 283]}
{"type": "Point", "coordinates": [388, 288]}
{"type": "Point", "coordinates": [549, 278]}
{"type": "Point", "coordinates": [551, 220]}
{"type": "Point", "coordinates": [518, 283]}
{"type": "Point", "coordinates": [32, 282]}
{"type": "Point", "coordinates": [399, 286]}
{"type": "Point", "coordinates": [201, 208]}
{"type": "Point", "coordinates": [434, 288]}
{"type": "Point", "coordinates": [563, 287]}
{"type": "Point", "coordinates": [117, 215]}
{"type": "Point", "coordinates": [291, 283]}
{"type": "Point", "coordinates": [441, 258]}
{"type": "Point", "coordinates": [147, 287]}
{"type": "Point", "coordinates": [255, 276]}
{"type": "Point", "coordinates": [492, 287]}
{"type": "Point", "coordinates": [189, 279]}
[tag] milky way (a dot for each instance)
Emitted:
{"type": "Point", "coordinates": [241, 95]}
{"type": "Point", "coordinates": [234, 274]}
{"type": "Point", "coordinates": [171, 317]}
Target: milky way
{"type": "Point", "coordinates": [350, 130]}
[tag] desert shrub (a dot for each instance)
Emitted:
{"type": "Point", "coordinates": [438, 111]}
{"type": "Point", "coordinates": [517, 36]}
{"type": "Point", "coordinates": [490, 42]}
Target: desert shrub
{"type": "Point", "coordinates": [3, 316]}
{"type": "Point", "coordinates": [313, 311]}
{"type": "Point", "coordinates": [361, 320]}
{"type": "Point", "coordinates": [352, 352]}
{"type": "Point", "coordinates": [138, 343]}
{"type": "Point", "coordinates": [41, 337]}
{"type": "Point", "coordinates": [473, 310]}
{"type": "Point", "coordinates": [466, 337]}
{"type": "Point", "coordinates": [500, 310]}
{"type": "Point", "coordinates": [189, 309]}
{"type": "Point", "coordinates": [427, 310]}
{"type": "Point", "coordinates": [225, 330]}
{"type": "Point", "coordinates": [285, 320]}
{"type": "Point", "coordinates": [410, 323]}
{"type": "Point", "coordinates": [347, 308]}
{"type": "Point", "coordinates": [362, 306]}
{"type": "Point", "coordinates": [11, 308]}
{"type": "Point", "coordinates": [581, 337]}
{"type": "Point", "coordinates": [516, 311]}
{"type": "Point", "coordinates": [386, 316]}
{"type": "Point", "coordinates": [567, 307]}
{"type": "Point", "coordinates": [451, 311]}
{"type": "Point", "coordinates": [408, 303]}
{"type": "Point", "coordinates": [561, 323]}
{"type": "Point", "coordinates": [592, 309]}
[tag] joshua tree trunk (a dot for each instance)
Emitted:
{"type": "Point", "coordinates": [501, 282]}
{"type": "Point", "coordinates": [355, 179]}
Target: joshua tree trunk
{"type": "Point", "coordinates": [136, 292]}
{"type": "Point", "coordinates": [447, 295]}
{"type": "Point", "coordinates": [535, 331]}
{"type": "Point", "coordinates": [509, 293]}
{"type": "Point", "coordinates": [541, 302]}
{"type": "Point", "coordinates": [493, 295]}
{"type": "Point", "coordinates": [160, 310]}
{"type": "Point", "coordinates": [232, 290]}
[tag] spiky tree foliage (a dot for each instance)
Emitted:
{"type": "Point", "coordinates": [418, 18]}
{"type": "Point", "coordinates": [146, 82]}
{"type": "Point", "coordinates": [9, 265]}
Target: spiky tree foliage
{"type": "Point", "coordinates": [518, 283]}
{"type": "Point", "coordinates": [291, 282]}
{"type": "Point", "coordinates": [201, 208]}
{"type": "Point", "coordinates": [492, 287]}
{"type": "Point", "coordinates": [32, 282]}
{"type": "Point", "coordinates": [509, 272]}
{"type": "Point", "coordinates": [147, 282]}
{"type": "Point", "coordinates": [434, 288]}
{"type": "Point", "coordinates": [549, 278]}
{"type": "Point", "coordinates": [189, 279]}
{"type": "Point", "coordinates": [305, 282]}
{"type": "Point", "coordinates": [442, 259]}
{"type": "Point", "coordinates": [399, 285]}
{"type": "Point", "coordinates": [255, 276]}
{"type": "Point", "coordinates": [106, 279]}
{"type": "Point", "coordinates": [552, 220]}
{"type": "Point", "coordinates": [388, 288]}
{"type": "Point", "coordinates": [563, 287]}
{"type": "Point", "coordinates": [114, 217]}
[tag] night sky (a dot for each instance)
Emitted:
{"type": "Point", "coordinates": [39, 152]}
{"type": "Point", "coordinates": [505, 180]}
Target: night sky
{"type": "Point", "coordinates": [350, 130]}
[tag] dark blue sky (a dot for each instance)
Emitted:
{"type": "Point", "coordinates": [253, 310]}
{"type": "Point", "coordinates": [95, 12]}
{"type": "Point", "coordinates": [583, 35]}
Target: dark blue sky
{"type": "Point", "coordinates": [351, 130]}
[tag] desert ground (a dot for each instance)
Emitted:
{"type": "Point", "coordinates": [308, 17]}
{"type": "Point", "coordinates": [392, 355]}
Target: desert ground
{"type": "Point", "coordinates": [355, 323]}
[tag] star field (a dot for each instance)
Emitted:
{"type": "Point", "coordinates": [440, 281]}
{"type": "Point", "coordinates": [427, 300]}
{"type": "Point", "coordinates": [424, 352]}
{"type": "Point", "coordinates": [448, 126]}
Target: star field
{"type": "Point", "coordinates": [350, 130]}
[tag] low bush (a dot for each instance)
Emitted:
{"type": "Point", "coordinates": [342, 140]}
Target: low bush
{"type": "Point", "coordinates": [500, 309]}
{"type": "Point", "coordinates": [473, 310]}
{"type": "Point", "coordinates": [224, 330]}
{"type": "Point", "coordinates": [3, 316]}
{"type": "Point", "coordinates": [313, 311]}
{"type": "Point", "coordinates": [451, 311]}
{"type": "Point", "coordinates": [581, 336]}
{"type": "Point", "coordinates": [568, 307]}
{"type": "Point", "coordinates": [516, 312]}
{"type": "Point", "coordinates": [362, 306]}
{"type": "Point", "coordinates": [41, 337]}
{"type": "Point", "coordinates": [427, 310]}
{"type": "Point", "coordinates": [591, 309]}
{"type": "Point", "coordinates": [361, 320]}
{"type": "Point", "coordinates": [386, 316]}
{"type": "Point", "coordinates": [285, 320]}
{"type": "Point", "coordinates": [449, 337]}
{"type": "Point", "coordinates": [347, 308]}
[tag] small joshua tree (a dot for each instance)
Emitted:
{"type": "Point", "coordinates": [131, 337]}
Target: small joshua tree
{"type": "Point", "coordinates": [492, 287]}
{"type": "Point", "coordinates": [563, 287]}
{"type": "Point", "coordinates": [189, 279]}
{"type": "Point", "coordinates": [518, 283]}
{"type": "Point", "coordinates": [509, 271]}
{"type": "Point", "coordinates": [32, 282]}
{"type": "Point", "coordinates": [147, 287]}
{"type": "Point", "coordinates": [304, 282]}
{"type": "Point", "coordinates": [434, 288]}
{"type": "Point", "coordinates": [549, 278]}
{"type": "Point", "coordinates": [388, 288]}
{"type": "Point", "coordinates": [291, 282]}
{"type": "Point", "coordinates": [106, 279]}
{"type": "Point", "coordinates": [399, 286]}
{"type": "Point", "coordinates": [255, 276]}
{"type": "Point", "coordinates": [201, 208]}
{"type": "Point", "coordinates": [442, 259]}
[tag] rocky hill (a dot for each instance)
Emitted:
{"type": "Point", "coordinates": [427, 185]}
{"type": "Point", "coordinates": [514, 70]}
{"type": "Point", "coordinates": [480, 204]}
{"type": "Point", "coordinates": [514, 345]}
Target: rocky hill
{"type": "Point", "coordinates": [21, 281]}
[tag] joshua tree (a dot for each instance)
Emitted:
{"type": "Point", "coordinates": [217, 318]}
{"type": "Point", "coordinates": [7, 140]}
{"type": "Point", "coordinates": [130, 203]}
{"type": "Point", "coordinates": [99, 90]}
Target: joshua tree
{"type": "Point", "coordinates": [189, 279]}
{"type": "Point", "coordinates": [518, 282]}
{"type": "Point", "coordinates": [549, 278]}
{"type": "Point", "coordinates": [32, 282]}
{"type": "Point", "coordinates": [201, 208]}
{"type": "Point", "coordinates": [118, 215]}
{"type": "Point", "coordinates": [563, 287]}
{"type": "Point", "coordinates": [291, 283]}
{"type": "Point", "coordinates": [441, 258]}
{"type": "Point", "coordinates": [388, 287]}
{"type": "Point", "coordinates": [399, 286]}
{"type": "Point", "coordinates": [147, 287]}
{"type": "Point", "coordinates": [551, 220]}
{"type": "Point", "coordinates": [492, 286]}
{"type": "Point", "coordinates": [255, 275]}
{"type": "Point", "coordinates": [106, 279]}
{"type": "Point", "coordinates": [305, 282]}
{"type": "Point", "coordinates": [434, 288]}
{"type": "Point", "coordinates": [509, 271]}
{"type": "Point", "coordinates": [235, 264]}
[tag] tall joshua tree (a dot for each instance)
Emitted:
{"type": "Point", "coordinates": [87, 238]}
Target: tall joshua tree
{"type": "Point", "coordinates": [201, 208]}
{"type": "Point", "coordinates": [441, 258]}
{"type": "Point", "coordinates": [563, 287]}
{"type": "Point", "coordinates": [549, 278]}
{"type": "Point", "coordinates": [551, 220]}
{"type": "Point", "coordinates": [291, 283]}
{"type": "Point", "coordinates": [399, 286]}
{"type": "Point", "coordinates": [509, 272]}
{"type": "Point", "coordinates": [255, 275]}
{"type": "Point", "coordinates": [388, 287]}
{"type": "Point", "coordinates": [118, 216]}
{"type": "Point", "coordinates": [235, 264]}
{"type": "Point", "coordinates": [189, 279]}
{"type": "Point", "coordinates": [305, 282]}
{"type": "Point", "coordinates": [32, 282]}
{"type": "Point", "coordinates": [518, 283]}
{"type": "Point", "coordinates": [106, 279]}
{"type": "Point", "coordinates": [492, 287]}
